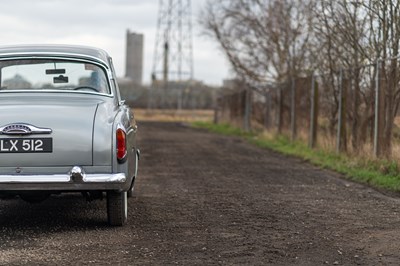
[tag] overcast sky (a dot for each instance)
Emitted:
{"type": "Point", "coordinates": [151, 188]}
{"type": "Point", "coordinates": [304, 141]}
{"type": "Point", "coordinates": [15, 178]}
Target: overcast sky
{"type": "Point", "coordinates": [103, 23]}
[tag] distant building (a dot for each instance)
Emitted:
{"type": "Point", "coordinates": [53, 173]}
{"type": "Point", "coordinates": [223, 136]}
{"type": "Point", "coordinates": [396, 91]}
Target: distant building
{"type": "Point", "coordinates": [134, 56]}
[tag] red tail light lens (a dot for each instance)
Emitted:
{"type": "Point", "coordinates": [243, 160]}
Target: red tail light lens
{"type": "Point", "coordinates": [121, 144]}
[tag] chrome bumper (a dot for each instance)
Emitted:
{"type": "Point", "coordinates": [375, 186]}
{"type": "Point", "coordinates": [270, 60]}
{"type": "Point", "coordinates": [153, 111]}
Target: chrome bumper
{"type": "Point", "coordinates": [86, 178]}
{"type": "Point", "coordinates": [75, 179]}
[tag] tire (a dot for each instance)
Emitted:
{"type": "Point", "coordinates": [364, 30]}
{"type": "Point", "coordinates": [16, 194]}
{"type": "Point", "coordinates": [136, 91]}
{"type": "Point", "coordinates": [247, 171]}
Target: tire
{"type": "Point", "coordinates": [117, 208]}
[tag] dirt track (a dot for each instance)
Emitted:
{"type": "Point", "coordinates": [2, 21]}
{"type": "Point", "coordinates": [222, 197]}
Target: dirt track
{"type": "Point", "coordinates": [208, 199]}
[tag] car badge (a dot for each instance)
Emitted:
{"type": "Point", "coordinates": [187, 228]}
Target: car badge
{"type": "Point", "coordinates": [23, 129]}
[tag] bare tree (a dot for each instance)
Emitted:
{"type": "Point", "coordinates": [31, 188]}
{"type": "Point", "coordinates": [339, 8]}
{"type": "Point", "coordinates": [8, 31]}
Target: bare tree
{"type": "Point", "coordinates": [263, 40]}
{"type": "Point", "coordinates": [278, 40]}
{"type": "Point", "coordinates": [384, 37]}
{"type": "Point", "coordinates": [340, 29]}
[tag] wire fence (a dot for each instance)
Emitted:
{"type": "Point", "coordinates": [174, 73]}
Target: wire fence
{"type": "Point", "coordinates": [350, 110]}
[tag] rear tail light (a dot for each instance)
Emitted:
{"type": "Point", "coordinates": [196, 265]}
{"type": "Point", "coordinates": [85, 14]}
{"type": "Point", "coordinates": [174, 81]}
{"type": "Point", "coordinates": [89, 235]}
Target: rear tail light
{"type": "Point", "coordinates": [121, 144]}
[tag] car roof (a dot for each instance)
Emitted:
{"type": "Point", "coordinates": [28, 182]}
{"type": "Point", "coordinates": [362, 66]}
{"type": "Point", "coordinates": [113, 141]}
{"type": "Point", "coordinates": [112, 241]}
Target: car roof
{"type": "Point", "coordinates": [79, 51]}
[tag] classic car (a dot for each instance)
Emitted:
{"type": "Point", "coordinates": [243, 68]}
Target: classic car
{"type": "Point", "coordinates": [64, 127]}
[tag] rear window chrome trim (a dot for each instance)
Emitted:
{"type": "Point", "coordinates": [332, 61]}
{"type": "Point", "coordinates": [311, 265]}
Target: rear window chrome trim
{"type": "Point", "coordinates": [66, 56]}
{"type": "Point", "coordinates": [57, 91]}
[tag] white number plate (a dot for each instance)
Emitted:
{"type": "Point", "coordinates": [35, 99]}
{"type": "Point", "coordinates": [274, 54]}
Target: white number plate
{"type": "Point", "coordinates": [26, 145]}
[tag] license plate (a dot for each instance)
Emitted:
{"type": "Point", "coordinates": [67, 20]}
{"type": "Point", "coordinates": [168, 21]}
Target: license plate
{"type": "Point", "coordinates": [26, 145]}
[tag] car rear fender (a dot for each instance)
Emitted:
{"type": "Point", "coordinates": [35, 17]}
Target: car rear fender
{"type": "Point", "coordinates": [123, 120]}
{"type": "Point", "coordinates": [103, 135]}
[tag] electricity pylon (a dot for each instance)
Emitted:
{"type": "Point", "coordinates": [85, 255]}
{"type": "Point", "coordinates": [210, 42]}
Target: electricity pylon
{"type": "Point", "coordinates": [173, 51]}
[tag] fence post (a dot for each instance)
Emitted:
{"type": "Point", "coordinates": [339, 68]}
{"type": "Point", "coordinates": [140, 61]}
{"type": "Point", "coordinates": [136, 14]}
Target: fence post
{"type": "Point", "coordinates": [247, 110]}
{"type": "Point", "coordinates": [377, 130]}
{"type": "Point", "coordinates": [180, 97]}
{"type": "Point", "coordinates": [150, 96]}
{"type": "Point", "coordinates": [314, 113]}
{"type": "Point", "coordinates": [293, 110]}
{"type": "Point", "coordinates": [340, 145]}
{"type": "Point", "coordinates": [280, 109]}
{"type": "Point", "coordinates": [267, 115]}
{"type": "Point", "coordinates": [216, 109]}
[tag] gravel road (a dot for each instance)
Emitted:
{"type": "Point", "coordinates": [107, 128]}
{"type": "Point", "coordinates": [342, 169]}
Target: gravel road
{"type": "Point", "coordinates": [205, 199]}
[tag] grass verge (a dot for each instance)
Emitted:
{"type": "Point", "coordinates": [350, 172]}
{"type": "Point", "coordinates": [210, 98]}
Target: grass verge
{"type": "Point", "coordinates": [377, 173]}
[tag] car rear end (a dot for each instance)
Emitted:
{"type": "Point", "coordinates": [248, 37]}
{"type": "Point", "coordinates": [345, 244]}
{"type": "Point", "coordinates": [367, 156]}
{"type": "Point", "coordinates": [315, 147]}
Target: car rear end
{"type": "Point", "coordinates": [65, 130]}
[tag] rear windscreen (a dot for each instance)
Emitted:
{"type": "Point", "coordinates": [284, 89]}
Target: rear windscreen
{"type": "Point", "coordinates": [48, 74]}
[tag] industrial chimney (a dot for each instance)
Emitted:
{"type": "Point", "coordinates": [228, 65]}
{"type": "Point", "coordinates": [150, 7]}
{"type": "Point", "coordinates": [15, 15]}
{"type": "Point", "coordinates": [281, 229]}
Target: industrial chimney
{"type": "Point", "coordinates": [134, 56]}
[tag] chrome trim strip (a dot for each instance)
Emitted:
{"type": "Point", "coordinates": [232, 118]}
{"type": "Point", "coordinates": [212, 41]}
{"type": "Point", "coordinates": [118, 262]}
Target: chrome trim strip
{"type": "Point", "coordinates": [23, 129]}
{"type": "Point", "coordinates": [52, 55]}
{"type": "Point", "coordinates": [120, 178]}
{"type": "Point", "coordinates": [87, 178]}
{"type": "Point", "coordinates": [109, 95]}
{"type": "Point", "coordinates": [34, 178]}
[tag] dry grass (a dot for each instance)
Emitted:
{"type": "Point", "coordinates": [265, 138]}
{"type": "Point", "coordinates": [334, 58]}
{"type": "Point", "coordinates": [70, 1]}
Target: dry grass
{"type": "Point", "coordinates": [326, 142]}
{"type": "Point", "coordinates": [173, 115]}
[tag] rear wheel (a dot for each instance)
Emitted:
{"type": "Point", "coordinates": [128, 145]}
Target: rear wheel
{"type": "Point", "coordinates": [117, 208]}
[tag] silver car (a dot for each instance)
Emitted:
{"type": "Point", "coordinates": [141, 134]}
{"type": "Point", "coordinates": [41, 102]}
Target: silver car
{"type": "Point", "coordinates": [64, 127]}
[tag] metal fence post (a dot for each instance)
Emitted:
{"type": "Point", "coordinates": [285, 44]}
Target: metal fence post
{"type": "Point", "coordinates": [293, 110]}
{"type": "Point", "coordinates": [314, 113]}
{"type": "Point", "coordinates": [216, 109]}
{"type": "Point", "coordinates": [247, 110]}
{"type": "Point", "coordinates": [339, 124]}
{"type": "Point", "coordinates": [150, 96]}
{"type": "Point", "coordinates": [267, 115]}
{"type": "Point", "coordinates": [180, 97]}
{"type": "Point", "coordinates": [280, 109]}
{"type": "Point", "coordinates": [341, 141]}
{"type": "Point", "coordinates": [377, 148]}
